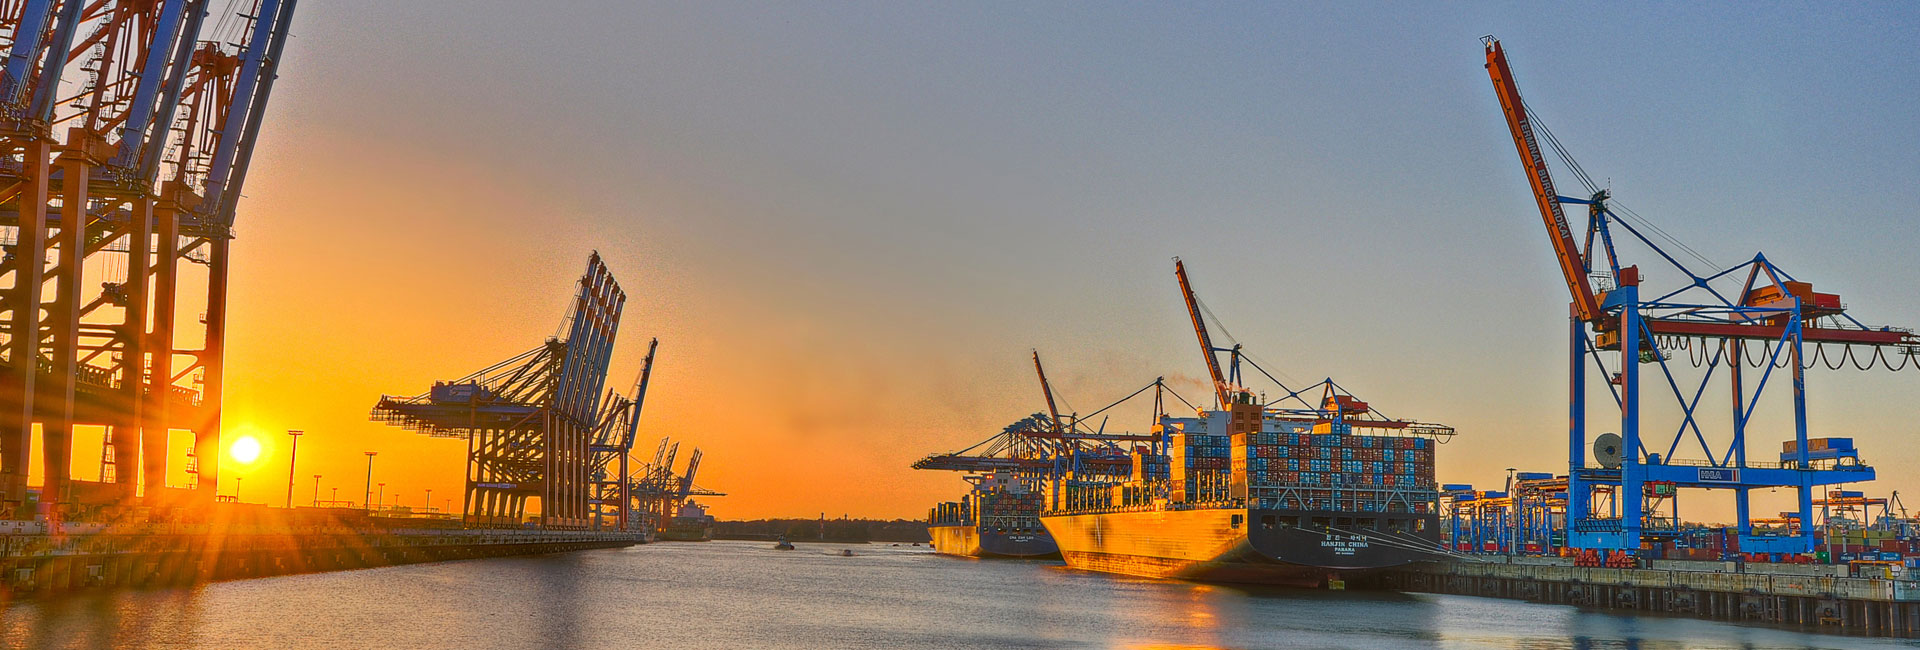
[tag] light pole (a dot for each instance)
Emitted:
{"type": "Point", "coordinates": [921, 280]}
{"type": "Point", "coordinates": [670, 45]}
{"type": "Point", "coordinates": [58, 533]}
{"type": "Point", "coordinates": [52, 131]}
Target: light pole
{"type": "Point", "coordinates": [380, 500]}
{"type": "Point", "coordinates": [1513, 508]}
{"type": "Point", "coordinates": [293, 452]}
{"type": "Point", "coordinates": [335, 499]}
{"type": "Point", "coordinates": [236, 489]}
{"type": "Point", "coordinates": [316, 490]}
{"type": "Point", "coordinates": [367, 499]}
{"type": "Point", "coordinates": [429, 500]}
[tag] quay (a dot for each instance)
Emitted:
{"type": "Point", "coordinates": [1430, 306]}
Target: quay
{"type": "Point", "coordinates": [1810, 596]}
{"type": "Point", "coordinates": [38, 558]}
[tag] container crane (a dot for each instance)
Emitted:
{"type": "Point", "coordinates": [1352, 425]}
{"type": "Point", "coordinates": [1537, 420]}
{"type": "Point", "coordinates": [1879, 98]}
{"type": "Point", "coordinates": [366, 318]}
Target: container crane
{"type": "Point", "coordinates": [657, 491]}
{"type": "Point", "coordinates": [1716, 325]}
{"type": "Point", "coordinates": [613, 445]}
{"type": "Point", "coordinates": [131, 127]}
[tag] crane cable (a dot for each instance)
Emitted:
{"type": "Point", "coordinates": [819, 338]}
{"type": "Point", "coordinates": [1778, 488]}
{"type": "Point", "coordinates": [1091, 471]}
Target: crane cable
{"type": "Point", "coordinates": [1580, 174]}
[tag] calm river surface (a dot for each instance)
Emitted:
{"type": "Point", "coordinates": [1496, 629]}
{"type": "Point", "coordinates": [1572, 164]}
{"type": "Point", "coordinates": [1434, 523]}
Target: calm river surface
{"type": "Point", "coordinates": [746, 595]}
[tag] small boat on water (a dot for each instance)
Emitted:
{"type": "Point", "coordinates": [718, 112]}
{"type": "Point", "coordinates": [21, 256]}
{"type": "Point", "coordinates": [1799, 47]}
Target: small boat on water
{"type": "Point", "coordinates": [846, 552]}
{"type": "Point", "coordinates": [782, 544]}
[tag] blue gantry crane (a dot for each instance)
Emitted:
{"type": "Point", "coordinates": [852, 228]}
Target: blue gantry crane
{"type": "Point", "coordinates": [1752, 325]}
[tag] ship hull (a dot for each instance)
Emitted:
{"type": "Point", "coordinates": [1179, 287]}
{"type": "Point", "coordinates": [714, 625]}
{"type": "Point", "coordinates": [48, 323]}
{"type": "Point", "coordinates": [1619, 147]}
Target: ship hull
{"type": "Point", "coordinates": [686, 534]}
{"type": "Point", "coordinates": [970, 541]}
{"type": "Point", "coordinates": [1236, 545]}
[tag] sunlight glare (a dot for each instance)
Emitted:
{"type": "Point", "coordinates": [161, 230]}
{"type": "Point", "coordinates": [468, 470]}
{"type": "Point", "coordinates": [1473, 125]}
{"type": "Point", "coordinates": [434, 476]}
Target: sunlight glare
{"type": "Point", "coordinates": [245, 450]}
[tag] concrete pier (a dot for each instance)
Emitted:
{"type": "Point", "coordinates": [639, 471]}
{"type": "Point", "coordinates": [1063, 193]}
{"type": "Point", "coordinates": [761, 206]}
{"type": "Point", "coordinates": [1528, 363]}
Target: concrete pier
{"type": "Point", "coordinates": [37, 558]}
{"type": "Point", "coordinates": [1819, 597]}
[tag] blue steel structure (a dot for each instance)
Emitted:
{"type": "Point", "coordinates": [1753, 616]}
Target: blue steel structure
{"type": "Point", "coordinates": [1765, 323]}
{"type": "Point", "coordinates": [126, 128]}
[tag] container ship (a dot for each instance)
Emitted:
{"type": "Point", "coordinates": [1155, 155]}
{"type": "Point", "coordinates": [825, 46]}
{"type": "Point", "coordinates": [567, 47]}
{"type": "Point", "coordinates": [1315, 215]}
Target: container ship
{"type": "Point", "coordinates": [690, 524]}
{"type": "Point", "coordinates": [1299, 491]}
{"type": "Point", "coordinates": [999, 518]}
{"type": "Point", "coordinates": [1245, 496]}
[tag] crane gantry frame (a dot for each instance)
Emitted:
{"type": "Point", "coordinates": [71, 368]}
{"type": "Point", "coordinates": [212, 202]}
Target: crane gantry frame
{"type": "Point", "coordinates": [147, 173]}
{"type": "Point", "coordinates": [1715, 326]}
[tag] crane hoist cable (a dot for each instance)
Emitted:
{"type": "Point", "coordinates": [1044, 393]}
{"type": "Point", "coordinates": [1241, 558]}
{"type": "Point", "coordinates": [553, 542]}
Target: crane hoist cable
{"type": "Point", "coordinates": [1579, 173]}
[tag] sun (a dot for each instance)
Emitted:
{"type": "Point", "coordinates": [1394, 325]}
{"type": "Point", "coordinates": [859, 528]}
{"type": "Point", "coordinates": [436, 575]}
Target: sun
{"type": "Point", "coordinates": [245, 450]}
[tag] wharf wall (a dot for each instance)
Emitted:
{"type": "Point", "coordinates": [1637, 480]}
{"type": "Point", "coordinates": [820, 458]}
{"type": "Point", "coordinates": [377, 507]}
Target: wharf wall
{"type": "Point", "coordinates": [39, 559]}
{"type": "Point", "coordinates": [1818, 597]}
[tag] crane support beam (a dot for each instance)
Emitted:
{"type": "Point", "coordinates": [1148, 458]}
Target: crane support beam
{"type": "Point", "coordinates": [1572, 264]}
{"type": "Point", "coordinates": [1777, 332]}
{"type": "Point", "coordinates": [1110, 437]}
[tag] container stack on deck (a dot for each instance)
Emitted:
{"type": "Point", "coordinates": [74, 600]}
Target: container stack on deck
{"type": "Point", "coordinates": [1330, 467]}
{"type": "Point", "coordinates": [1199, 465]}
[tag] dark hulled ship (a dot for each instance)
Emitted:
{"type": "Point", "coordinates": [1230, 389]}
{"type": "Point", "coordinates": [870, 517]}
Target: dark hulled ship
{"type": "Point", "coordinates": [999, 517]}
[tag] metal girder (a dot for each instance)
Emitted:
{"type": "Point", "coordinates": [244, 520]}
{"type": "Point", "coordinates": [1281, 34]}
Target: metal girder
{"type": "Point", "coordinates": [534, 423]}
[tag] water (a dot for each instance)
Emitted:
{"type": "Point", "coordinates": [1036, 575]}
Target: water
{"type": "Point", "coordinates": [746, 595]}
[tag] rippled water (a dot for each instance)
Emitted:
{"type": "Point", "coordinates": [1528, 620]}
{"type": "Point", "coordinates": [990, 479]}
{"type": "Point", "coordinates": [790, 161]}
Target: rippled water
{"type": "Point", "coordinates": [746, 595]}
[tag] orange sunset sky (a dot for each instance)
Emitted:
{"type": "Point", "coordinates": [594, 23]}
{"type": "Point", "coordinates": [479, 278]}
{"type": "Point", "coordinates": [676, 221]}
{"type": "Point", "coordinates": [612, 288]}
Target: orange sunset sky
{"type": "Point", "coordinates": [849, 227]}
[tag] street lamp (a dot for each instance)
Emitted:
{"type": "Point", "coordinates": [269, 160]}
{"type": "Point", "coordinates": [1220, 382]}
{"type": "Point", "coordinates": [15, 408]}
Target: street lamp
{"type": "Point", "coordinates": [316, 490]}
{"type": "Point", "coordinates": [378, 501]}
{"type": "Point", "coordinates": [335, 499]}
{"type": "Point", "coordinates": [367, 499]}
{"type": "Point", "coordinates": [1513, 508]}
{"type": "Point", "coordinates": [293, 452]}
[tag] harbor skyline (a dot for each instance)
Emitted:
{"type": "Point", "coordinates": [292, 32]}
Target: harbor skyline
{"type": "Point", "coordinates": [848, 227]}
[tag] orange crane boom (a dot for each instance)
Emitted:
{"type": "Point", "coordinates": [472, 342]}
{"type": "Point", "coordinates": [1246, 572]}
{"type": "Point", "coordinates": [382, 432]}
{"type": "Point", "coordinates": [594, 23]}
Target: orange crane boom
{"type": "Point", "coordinates": [1220, 390]}
{"type": "Point", "coordinates": [1052, 411]}
{"type": "Point", "coordinates": [1572, 264]}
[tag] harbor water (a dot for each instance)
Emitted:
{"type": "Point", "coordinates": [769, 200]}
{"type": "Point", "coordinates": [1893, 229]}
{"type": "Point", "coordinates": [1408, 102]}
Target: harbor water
{"type": "Point", "coordinates": [747, 595]}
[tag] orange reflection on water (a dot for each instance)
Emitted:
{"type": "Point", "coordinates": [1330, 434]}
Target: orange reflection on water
{"type": "Point", "coordinates": [1194, 607]}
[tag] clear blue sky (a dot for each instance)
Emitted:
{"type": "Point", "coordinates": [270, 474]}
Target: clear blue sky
{"type": "Point", "coordinates": [860, 216]}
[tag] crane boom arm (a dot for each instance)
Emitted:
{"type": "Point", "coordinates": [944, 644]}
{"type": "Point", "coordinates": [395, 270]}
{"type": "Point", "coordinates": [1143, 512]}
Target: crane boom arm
{"type": "Point", "coordinates": [1572, 264]}
{"type": "Point", "coordinates": [1052, 410]}
{"type": "Point", "coordinates": [1200, 329]}
{"type": "Point", "coordinates": [639, 396]}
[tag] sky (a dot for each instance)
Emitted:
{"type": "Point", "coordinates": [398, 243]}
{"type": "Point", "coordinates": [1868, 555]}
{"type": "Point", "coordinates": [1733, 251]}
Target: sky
{"type": "Point", "coordinates": [850, 223]}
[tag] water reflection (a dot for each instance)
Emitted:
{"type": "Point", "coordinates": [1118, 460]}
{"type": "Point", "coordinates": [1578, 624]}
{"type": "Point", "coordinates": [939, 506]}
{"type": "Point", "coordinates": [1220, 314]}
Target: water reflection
{"type": "Point", "coordinates": [726, 595]}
